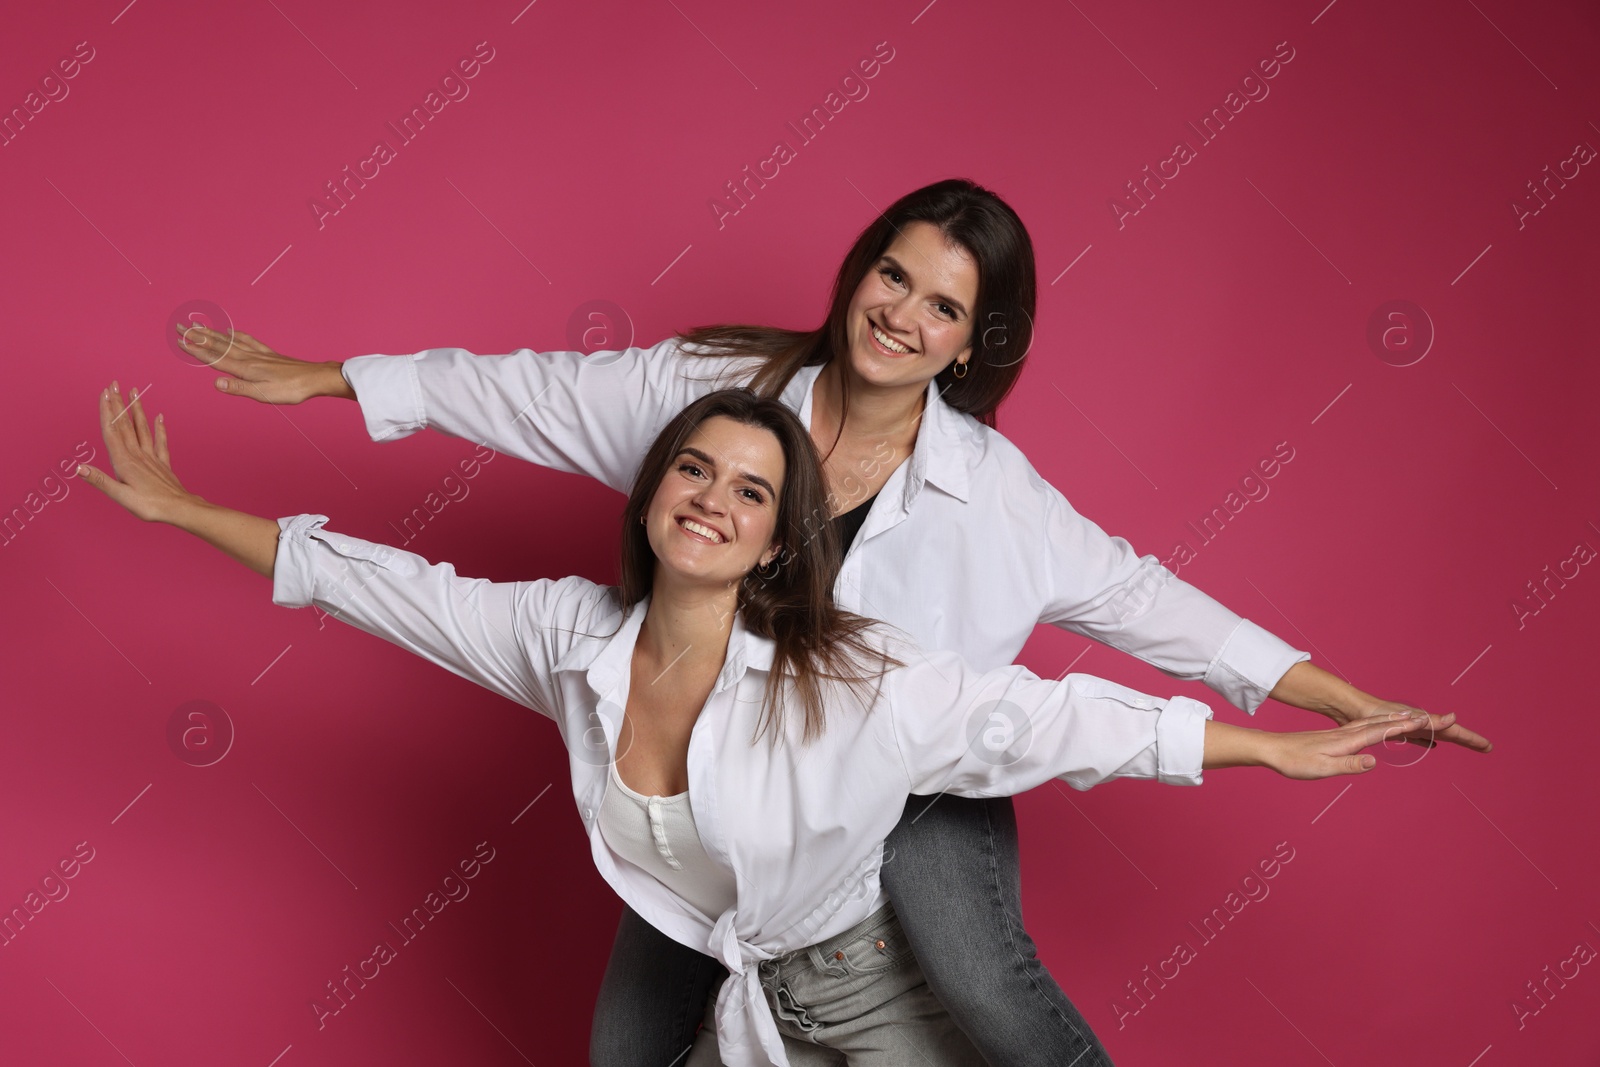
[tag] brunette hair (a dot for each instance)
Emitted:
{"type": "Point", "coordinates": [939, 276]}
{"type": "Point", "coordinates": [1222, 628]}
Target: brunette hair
{"type": "Point", "coordinates": [969, 216]}
{"type": "Point", "coordinates": [814, 639]}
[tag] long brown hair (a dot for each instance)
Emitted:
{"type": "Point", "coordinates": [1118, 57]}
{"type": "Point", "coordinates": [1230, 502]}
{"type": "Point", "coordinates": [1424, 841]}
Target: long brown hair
{"type": "Point", "coordinates": [814, 640]}
{"type": "Point", "coordinates": [972, 218]}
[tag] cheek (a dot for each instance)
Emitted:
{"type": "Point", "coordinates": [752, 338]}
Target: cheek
{"type": "Point", "coordinates": [757, 529]}
{"type": "Point", "coordinates": [949, 337]}
{"type": "Point", "coordinates": [872, 291]}
{"type": "Point", "coordinates": [661, 504]}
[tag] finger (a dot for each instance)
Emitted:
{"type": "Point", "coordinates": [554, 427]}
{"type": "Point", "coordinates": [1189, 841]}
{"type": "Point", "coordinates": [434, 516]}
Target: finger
{"type": "Point", "coordinates": [1355, 764]}
{"type": "Point", "coordinates": [241, 387]}
{"type": "Point", "coordinates": [110, 431]}
{"type": "Point", "coordinates": [102, 481]}
{"type": "Point", "coordinates": [141, 425]}
{"type": "Point", "coordinates": [120, 436]}
{"type": "Point", "coordinates": [161, 440]}
{"type": "Point", "coordinates": [1330, 766]}
{"type": "Point", "coordinates": [1372, 733]}
{"type": "Point", "coordinates": [1444, 728]}
{"type": "Point", "coordinates": [206, 344]}
{"type": "Point", "coordinates": [1460, 735]}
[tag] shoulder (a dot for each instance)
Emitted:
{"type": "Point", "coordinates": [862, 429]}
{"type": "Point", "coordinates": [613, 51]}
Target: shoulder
{"type": "Point", "coordinates": [703, 362]}
{"type": "Point", "coordinates": [907, 665]}
{"type": "Point", "coordinates": [564, 613]}
{"type": "Point", "coordinates": [998, 468]}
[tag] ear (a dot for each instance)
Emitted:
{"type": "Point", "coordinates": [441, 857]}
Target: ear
{"type": "Point", "coordinates": [773, 552]}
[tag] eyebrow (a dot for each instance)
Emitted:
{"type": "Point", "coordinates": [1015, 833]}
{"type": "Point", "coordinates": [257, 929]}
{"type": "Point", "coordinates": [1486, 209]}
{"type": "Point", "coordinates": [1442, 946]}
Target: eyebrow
{"type": "Point", "coordinates": [952, 301]}
{"type": "Point", "coordinates": [746, 475]}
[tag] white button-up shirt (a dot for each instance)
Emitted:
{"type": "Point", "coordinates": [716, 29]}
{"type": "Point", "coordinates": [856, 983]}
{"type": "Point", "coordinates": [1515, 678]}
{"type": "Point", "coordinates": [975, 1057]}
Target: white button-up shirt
{"type": "Point", "coordinates": [967, 547]}
{"type": "Point", "coordinates": [801, 826]}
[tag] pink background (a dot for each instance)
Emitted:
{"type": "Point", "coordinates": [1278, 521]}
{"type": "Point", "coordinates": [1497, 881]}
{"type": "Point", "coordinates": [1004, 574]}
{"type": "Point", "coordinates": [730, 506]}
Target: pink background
{"type": "Point", "coordinates": [1228, 315]}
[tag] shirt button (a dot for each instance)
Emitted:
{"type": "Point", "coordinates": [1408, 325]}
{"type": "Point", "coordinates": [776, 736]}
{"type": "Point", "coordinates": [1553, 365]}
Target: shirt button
{"type": "Point", "coordinates": [588, 813]}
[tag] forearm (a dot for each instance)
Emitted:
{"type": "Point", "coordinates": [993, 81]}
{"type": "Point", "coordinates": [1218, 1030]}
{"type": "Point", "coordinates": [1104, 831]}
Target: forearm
{"type": "Point", "coordinates": [562, 410]}
{"type": "Point", "coordinates": [1235, 746]}
{"type": "Point", "coordinates": [1314, 689]}
{"type": "Point", "coordinates": [250, 539]}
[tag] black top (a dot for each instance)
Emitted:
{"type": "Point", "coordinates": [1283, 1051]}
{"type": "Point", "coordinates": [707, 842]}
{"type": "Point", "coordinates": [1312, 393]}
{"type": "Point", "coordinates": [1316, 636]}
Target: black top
{"type": "Point", "coordinates": [849, 524]}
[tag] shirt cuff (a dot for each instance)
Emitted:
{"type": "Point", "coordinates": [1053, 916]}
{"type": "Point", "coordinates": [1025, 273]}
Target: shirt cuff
{"type": "Point", "coordinates": [390, 394]}
{"type": "Point", "coordinates": [1181, 741]}
{"type": "Point", "coordinates": [294, 570]}
{"type": "Point", "coordinates": [1250, 664]}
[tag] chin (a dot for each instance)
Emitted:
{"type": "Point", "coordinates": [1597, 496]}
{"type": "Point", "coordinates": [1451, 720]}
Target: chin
{"type": "Point", "coordinates": [874, 369]}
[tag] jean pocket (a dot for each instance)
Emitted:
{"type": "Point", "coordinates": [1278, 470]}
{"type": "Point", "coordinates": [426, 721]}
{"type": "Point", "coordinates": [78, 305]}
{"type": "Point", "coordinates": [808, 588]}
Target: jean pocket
{"type": "Point", "coordinates": [881, 946]}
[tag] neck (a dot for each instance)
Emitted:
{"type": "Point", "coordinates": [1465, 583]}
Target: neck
{"type": "Point", "coordinates": [687, 623]}
{"type": "Point", "coordinates": [890, 412]}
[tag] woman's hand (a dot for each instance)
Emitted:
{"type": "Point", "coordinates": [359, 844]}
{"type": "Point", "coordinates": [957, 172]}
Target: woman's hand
{"type": "Point", "coordinates": [1442, 730]}
{"type": "Point", "coordinates": [259, 372]}
{"type": "Point", "coordinates": [1312, 754]}
{"type": "Point", "coordinates": [145, 485]}
{"type": "Point", "coordinates": [1305, 685]}
{"type": "Point", "coordinates": [144, 482]}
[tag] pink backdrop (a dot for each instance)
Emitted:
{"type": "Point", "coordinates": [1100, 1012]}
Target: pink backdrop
{"type": "Point", "coordinates": [1431, 538]}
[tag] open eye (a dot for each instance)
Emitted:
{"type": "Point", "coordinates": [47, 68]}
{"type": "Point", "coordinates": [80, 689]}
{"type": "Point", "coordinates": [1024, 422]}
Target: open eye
{"type": "Point", "coordinates": [691, 469]}
{"type": "Point", "coordinates": [947, 311]}
{"type": "Point", "coordinates": [894, 277]}
{"type": "Point", "coordinates": [754, 495]}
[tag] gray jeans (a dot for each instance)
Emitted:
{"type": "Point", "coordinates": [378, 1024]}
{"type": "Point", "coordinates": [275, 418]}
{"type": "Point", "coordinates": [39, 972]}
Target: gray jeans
{"type": "Point", "coordinates": [856, 998]}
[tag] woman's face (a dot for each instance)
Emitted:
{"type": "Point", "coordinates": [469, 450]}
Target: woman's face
{"type": "Point", "coordinates": [911, 316]}
{"type": "Point", "coordinates": [713, 517]}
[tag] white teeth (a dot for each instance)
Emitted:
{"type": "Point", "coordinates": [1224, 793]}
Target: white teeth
{"type": "Point", "coordinates": [888, 342]}
{"type": "Point", "coordinates": [703, 531]}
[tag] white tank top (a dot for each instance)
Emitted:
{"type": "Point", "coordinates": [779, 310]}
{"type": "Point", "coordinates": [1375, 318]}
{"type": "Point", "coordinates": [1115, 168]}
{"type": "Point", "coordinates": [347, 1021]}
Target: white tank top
{"type": "Point", "coordinates": [659, 835]}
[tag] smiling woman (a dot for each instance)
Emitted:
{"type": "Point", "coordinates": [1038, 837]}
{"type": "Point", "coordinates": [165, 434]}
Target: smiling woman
{"type": "Point", "coordinates": [751, 495]}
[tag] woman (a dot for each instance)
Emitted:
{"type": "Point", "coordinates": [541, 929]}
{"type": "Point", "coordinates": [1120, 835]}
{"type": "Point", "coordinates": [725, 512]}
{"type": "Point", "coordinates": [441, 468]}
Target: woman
{"type": "Point", "coordinates": [775, 856]}
{"type": "Point", "coordinates": [951, 535]}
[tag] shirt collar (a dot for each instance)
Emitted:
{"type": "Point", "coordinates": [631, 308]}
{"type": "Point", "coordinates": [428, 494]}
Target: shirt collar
{"type": "Point", "coordinates": [606, 659]}
{"type": "Point", "coordinates": [943, 452]}
{"type": "Point", "coordinates": [943, 445]}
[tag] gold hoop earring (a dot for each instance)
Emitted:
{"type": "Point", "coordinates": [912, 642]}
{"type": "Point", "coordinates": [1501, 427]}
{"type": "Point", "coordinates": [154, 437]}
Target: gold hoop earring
{"type": "Point", "coordinates": [961, 369]}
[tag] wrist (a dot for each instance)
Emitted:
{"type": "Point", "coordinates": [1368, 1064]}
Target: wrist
{"type": "Point", "coordinates": [335, 383]}
{"type": "Point", "coordinates": [1227, 745]}
{"type": "Point", "coordinates": [184, 512]}
{"type": "Point", "coordinates": [1308, 686]}
{"type": "Point", "coordinates": [1350, 704]}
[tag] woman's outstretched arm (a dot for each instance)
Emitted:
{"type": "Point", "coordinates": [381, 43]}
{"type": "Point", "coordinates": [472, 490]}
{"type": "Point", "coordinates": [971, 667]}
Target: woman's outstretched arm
{"type": "Point", "coordinates": [593, 414]}
{"type": "Point", "coordinates": [988, 733]}
{"type": "Point", "coordinates": [502, 635]}
{"type": "Point", "coordinates": [1098, 586]}
{"type": "Point", "coordinates": [1309, 754]}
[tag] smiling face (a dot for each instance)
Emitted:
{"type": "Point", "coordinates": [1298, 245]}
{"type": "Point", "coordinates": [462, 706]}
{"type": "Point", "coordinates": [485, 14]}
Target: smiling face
{"type": "Point", "coordinates": [713, 517]}
{"type": "Point", "coordinates": [911, 316]}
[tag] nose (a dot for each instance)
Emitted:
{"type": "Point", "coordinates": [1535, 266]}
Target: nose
{"type": "Point", "coordinates": [897, 313]}
{"type": "Point", "coordinates": [711, 498]}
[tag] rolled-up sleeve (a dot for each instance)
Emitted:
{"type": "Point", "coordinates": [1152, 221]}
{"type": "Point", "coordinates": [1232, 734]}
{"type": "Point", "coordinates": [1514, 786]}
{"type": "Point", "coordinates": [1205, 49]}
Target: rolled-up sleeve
{"type": "Point", "coordinates": [1001, 732]}
{"type": "Point", "coordinates": [505, 636]}
{"type": "Point", "coordinates": [593, 414]}
{"type": "Point", "coordinates": [1098, 586]}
